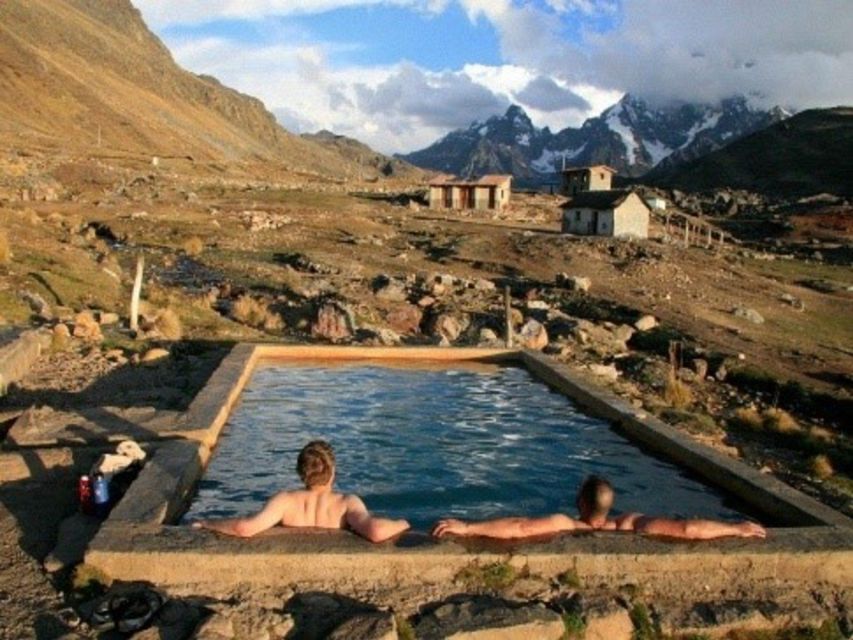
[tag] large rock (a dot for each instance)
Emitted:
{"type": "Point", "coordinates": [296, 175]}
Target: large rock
{"type": "Point", "coordinates": [490, 619]}
{"type": "Point", "coordinates": [646, 323]}
{"type": "Point", "coordinates": [39, 305]}
{"type": "Point", "coordinates": [405, 319]}
{"type": "Point", "coordinates": [533, 335]}
{"type": "Point", "coordinates": [390, 289]}
{"type": "Point", "coordinates": [573, 283]}
{"type": "Point", "coordinates": [750, 315]}
{"type": "Point", "coordinates": [447, 326]}
{"type": "Point", "coordinates": [334, 322]}
{"type": "Point", "coordinates": [154, 356]}
{"type": "Point", "coordinates": [377, 625]}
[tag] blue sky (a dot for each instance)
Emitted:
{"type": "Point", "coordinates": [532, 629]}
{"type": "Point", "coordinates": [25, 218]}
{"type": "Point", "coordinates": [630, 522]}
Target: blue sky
{"type": "Point", "coordinates": [398, 74]}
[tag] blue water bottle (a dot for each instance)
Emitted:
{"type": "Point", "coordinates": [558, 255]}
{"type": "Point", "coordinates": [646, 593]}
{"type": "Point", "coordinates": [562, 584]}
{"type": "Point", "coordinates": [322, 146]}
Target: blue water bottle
{"type": "Point", "coordinates": [101, 495]}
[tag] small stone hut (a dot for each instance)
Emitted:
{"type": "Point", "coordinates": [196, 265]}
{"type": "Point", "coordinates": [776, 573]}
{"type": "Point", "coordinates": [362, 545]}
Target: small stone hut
{"type": "Point", "coordinates": [597, 177]}
{"type": "Point", "coordinates": [615, 213]}
{"type": "Point", "coordinates": [489, 192]}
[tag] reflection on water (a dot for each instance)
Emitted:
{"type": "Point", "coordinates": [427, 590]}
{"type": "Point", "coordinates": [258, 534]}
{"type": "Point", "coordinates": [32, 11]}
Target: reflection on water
{"type": "Point", "coordinates": [423, 444]}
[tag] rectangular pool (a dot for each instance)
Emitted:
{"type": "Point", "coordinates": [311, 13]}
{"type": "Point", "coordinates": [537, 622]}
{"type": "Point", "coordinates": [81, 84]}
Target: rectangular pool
{"type": "Point", "coordinates": [423, 441]}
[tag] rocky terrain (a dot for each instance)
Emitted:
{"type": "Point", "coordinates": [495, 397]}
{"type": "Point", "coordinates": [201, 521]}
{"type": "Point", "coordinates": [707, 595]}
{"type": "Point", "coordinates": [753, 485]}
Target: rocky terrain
{"type": "Point", "coordinates": [110, 153]}
{"type": "Point", "coordinates": [631, 136]}
{"type": "Point", "coordinates": [763, 373]}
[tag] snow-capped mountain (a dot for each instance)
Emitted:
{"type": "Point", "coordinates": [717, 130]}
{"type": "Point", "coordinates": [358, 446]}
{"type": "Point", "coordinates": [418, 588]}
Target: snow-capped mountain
{"type": "Point", "coordinates": [630, 136]}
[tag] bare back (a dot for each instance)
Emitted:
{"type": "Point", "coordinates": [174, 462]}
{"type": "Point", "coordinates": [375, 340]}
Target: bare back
{"type": "Point", "coordinates": [324, 510]}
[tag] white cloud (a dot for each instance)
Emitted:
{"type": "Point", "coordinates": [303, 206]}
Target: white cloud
{"type": "Point", "coordinates": [787, 52]}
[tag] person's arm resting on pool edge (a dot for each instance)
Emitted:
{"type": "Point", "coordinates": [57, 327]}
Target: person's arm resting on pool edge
{"type": "Point", "coordinates": [369, 527]}
{"type": "Point", "coordinates": [508, 528]}
{"type": "Point", "coordinates": [266, 518]}
{"type": "Point", "coordinates": [696, 529]}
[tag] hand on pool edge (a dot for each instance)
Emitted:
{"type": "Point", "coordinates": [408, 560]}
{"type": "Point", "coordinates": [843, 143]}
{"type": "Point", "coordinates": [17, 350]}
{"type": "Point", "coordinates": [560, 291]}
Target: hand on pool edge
{"type": "Point", "coordinates": [449, 526]}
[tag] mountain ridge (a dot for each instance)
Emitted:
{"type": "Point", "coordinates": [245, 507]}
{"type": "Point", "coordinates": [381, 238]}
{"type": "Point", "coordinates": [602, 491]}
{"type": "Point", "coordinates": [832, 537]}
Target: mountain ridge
{"type": "Point", "coordinates": [630, 136]}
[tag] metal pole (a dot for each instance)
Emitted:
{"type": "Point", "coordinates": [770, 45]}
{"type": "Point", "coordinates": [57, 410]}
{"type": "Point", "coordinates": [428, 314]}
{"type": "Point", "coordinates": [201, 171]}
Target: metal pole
{"type": "Point", "coordinates": [137, 290]}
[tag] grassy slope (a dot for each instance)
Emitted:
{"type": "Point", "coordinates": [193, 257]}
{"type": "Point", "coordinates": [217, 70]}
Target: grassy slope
{"type": "Point", "coordinates": [69, 68]}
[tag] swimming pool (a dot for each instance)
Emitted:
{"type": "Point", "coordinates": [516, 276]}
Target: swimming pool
{"type": "Point", "coordinates": [423, 442]}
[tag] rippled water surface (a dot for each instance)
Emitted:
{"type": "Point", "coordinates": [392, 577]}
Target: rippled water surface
{"type": "Point", "coordinates": [426, 443]}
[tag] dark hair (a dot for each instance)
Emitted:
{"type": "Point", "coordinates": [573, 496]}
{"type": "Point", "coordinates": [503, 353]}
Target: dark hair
{"type": "Point", "coordinates": [316, 463]}
{"type": "Point", "coordinates": [597, 494]}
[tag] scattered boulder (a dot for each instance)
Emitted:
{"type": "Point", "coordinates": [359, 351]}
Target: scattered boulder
{"type": "Point", "coordinates": [751, 315]}
{"type": "Point", "coordinates": [106, 318]}
{"type": "Point", "coordinates": [86, 327]}
{"type": "Point", "coordinates": [490, 619]}
{"type": "Point", "coordinates": [390, 289]}
{"type": "Point", "coordinates": [405, 319]}
{"type": "Point", "coordinates": [796, 303]}
{"type": "Point", "coordinates": [154, 356]}
{"type": "Point", "coordinates": [447, 326]}
{"type": "Point", "coordinates": [334, 322]}
{"type": "Point", "coordinates": [481, 284]}
{"type": "Point", "coordinates": [606, 371]}
{"type": "Point", "coordinates": [39, 305]}
{"type": "Point", "coordinates": [606, 620]}
{"type": "Point", "coordinates": [488, 338]}
{"type": "Point", "coordinates": [176, 620]}
{"type": "Point", "coordinates": [573, 283]}
{"type": "Point", "coordinates": [646, 323]}
{"type": "Point", "coordinates": [533, 335]}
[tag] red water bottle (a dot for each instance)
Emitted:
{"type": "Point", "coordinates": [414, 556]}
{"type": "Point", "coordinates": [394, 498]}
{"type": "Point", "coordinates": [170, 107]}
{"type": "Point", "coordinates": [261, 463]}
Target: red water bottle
{"type": "Point", "coordinates": [84, 495]}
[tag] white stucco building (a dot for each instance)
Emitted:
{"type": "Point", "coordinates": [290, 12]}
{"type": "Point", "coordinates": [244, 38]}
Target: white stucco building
{"type": "Point", "coordinates": [615, 213]}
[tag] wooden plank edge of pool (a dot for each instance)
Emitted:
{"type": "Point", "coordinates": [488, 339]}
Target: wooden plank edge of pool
{"type": "Point", "coordinates": [135, 534]}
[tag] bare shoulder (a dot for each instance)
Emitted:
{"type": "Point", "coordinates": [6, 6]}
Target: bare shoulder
{"type": "Point", "coordinates": [353, 503]}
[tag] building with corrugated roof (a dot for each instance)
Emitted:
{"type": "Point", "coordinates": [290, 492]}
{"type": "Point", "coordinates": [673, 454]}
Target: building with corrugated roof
{"type": "Point", "coordinates": [489, 192]}
{"type": "Point", "coordinates": [616, 213]}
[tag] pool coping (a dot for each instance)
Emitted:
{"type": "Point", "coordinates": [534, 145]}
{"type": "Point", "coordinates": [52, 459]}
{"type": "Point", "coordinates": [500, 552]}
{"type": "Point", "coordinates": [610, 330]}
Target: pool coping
{"type": "Point", "coordinates": [136, 543]}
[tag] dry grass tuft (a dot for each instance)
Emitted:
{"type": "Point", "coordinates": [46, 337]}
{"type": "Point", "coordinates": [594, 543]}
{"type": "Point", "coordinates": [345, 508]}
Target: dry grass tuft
{"type": "Point", "coordinates": [5, 249]}
{"type": "Point", "coordinates": [168, 324]}
{"type": "Point", "coordinates": [193, 246]}
{"type": "Point", "coordinates": [821, 467]}
{"type": "Point", "coordinates": [780, 421]}
{"type": "Point", "coordinates": [747, 418]}
{"type": "Point", "coordinates": [676, 393]}
{"type": "Point", "coordinates": [256, 313]}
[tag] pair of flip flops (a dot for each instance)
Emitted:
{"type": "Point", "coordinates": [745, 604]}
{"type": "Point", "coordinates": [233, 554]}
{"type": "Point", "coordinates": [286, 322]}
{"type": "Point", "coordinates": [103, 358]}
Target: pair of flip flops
{"type": "Point", "coordinates": [126, 612]}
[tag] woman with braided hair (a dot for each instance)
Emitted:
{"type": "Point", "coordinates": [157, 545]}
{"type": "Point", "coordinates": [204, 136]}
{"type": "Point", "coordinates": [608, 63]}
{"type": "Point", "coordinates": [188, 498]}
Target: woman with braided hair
{"type": "Point", "coordinates": [316, 506]}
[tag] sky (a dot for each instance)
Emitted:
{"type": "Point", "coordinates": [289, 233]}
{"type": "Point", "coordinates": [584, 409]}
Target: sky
{"type": "Point", "coordinates": [400, 74]}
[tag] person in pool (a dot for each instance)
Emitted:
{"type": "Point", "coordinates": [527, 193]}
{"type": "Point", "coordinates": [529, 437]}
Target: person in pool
{"type": "Point", "coordinates": [316, 506]}
{"type": "Point", "coordinates": [594, 500]}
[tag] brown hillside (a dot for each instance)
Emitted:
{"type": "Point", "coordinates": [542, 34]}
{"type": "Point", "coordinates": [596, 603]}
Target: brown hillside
{"type": "Point", "coordinates": [71, 67]}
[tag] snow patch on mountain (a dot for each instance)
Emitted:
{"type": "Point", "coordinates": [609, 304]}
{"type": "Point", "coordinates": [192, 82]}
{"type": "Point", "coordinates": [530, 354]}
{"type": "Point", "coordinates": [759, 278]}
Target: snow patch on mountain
{"type": "Point", "coordinates": [614, 122]}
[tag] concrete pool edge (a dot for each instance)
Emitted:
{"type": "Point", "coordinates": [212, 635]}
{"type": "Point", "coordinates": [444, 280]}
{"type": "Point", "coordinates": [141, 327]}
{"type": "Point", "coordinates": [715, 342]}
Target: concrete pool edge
{"type": "Point", "coordinates": [135, 535]}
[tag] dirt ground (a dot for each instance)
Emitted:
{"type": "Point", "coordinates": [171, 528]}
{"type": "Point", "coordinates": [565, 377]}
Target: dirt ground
{"type": "Point", "coordinates": [211, 240]}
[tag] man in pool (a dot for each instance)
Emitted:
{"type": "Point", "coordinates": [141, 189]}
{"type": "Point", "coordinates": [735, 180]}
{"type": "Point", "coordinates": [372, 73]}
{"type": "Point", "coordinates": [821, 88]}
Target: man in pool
{"type": "Point", "coordinates": [594, 501]}
{"type": "Point", "coordinates": [316, 506]}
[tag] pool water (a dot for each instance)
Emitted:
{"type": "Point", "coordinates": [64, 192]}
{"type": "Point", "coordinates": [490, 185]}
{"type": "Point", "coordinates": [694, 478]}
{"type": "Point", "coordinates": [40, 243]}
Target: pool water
{"type": "Point", "coordinates": [429, 442]}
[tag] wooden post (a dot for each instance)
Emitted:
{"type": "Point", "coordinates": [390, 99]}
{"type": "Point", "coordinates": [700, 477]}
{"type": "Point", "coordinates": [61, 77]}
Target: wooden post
{"type": "Point", "coordinates": [686, 233]}
{"type": "Point", "coordinates": [722, 239]}
{"type": "Point", "coordinates": [508, 309]}
{"type": "Point", "coordinates": [710, 237]}
{"type": "Point", "coordinates": [137, 291]}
